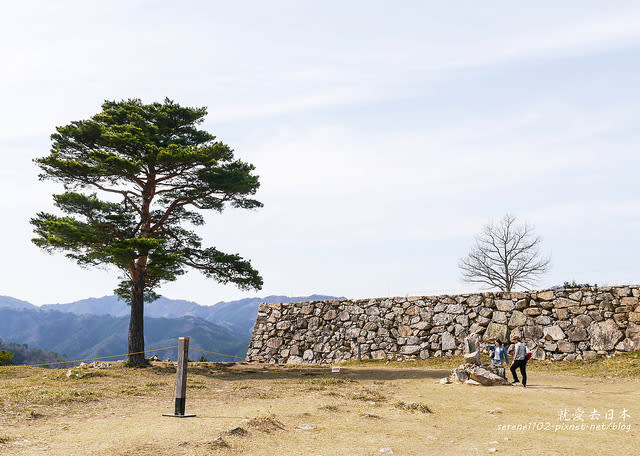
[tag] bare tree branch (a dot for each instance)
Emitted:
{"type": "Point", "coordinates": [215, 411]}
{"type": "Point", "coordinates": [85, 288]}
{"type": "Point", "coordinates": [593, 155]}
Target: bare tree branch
{"type": "Point", "coordinates": [505, 256]}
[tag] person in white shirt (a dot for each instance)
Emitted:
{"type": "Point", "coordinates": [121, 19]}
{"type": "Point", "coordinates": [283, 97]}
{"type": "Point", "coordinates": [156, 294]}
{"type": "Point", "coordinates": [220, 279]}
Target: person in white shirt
{"type": "Point", "coordinates": [519, 361]}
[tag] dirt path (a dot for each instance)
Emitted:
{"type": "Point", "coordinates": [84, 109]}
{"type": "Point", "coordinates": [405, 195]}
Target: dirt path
{"type": "Point", "coordinates": [356, 412]}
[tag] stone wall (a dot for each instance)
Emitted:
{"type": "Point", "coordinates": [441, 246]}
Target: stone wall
{"type": "Point", "coordinates": [555, 324]}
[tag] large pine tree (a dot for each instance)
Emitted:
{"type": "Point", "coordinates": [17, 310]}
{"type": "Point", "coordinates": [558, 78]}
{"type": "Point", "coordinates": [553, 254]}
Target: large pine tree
{"type": "Point", "coordinates": [136, 178]}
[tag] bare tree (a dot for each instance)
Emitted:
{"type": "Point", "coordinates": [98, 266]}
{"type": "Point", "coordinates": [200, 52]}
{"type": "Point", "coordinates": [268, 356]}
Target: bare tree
{"type": "Point", "coordinates": [505, 255]}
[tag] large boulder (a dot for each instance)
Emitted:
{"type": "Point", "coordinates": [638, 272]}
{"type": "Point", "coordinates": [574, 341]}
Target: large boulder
{"type": "Point", "coordinates": [517, 319]}
{"type": "Point", "coordinates": [504, 305]}
{"type": "Point", "coordinates": [448, 341]}
{"type": "Point", "coordinates": [294, 360]}
{"type": "Point", "coordinates": [472, 350]}
{"type": "Point", "coordinates": [496, 331]}
{"type": "Point", "coordinates": [499, 371]}
{"type": "Point", "coordinates": [485, 376]}
{"type": "Point", "coordinates": [553, 332]}
{"type": "Point", "coordinates": [546, 295]}
{"type": "Point", "coordinates": [604, 335]}
{"type": "Point", "coordinates": [458, 375]}
{"type": "Point", "coordinates": [632, 340]}
{"type": "Point", "coordinates": [577, 334]}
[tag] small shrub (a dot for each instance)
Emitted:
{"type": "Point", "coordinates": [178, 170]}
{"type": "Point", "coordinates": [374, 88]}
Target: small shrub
{"type": "Point", "coordinates": [6, 358]}
{"type": "Point", "coordinates": [266, 424]}
{"type": "Point", "coordinates": [368, 396]}
{"type": "Point", "coordinates": [412, 406]}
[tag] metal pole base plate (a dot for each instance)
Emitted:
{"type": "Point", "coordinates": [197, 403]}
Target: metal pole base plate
{"type": "Point", "coordinates": [179, 416]}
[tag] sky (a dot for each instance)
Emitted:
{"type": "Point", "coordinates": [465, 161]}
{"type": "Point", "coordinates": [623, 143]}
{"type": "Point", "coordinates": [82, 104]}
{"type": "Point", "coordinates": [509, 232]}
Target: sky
{"type": "Point", "coordinates": [385, 134]}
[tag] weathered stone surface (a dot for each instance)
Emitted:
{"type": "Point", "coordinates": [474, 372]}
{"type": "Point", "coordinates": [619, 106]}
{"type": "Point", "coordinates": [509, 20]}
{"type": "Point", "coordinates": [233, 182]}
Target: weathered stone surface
{"type": "Point", "coordinates": [634, 317]}
{"type": "Point", "coordinates": [458, 375]}
{"type": "Point", "coordinates": [499, 316]}
{"type": "Point", "coordinates": [522, 304]}
{"type": "Point", "coordinates": [577, 296]}
{"type": "Point", "coordinates": [499, 371]}
{"type": "Point", "coordinates": [285, 324]}
{"type": "Point", "coordinates": [577, 333]}
{"type": "Point", "coordinates": [543, 320]}
{"type": "Point", "coordinates": [410, 349]}
{"type": "Point", "coordinates": [553, 332]}
{"type": "Point", "coordinates": [557, 324]}
{"type": "Point", "coordinates": [517, 319]}
{"type": "Point", "coordinates": [454, 309]}
{"type": "Point", "coordinates": [474, 300]}
{"type": "Point", "coordinates": [448, 341]}
{"type": "Point", "coordinates": [633, 336]}
{"type": "Point", "coordinates": [485, 377]}
{"type": "Point", "coordinates": [274, 342]}
{"type": "Point", "coordinates": [442, 319]}
{"type": "Point", "coordinates": [604, 335]}
{"type": "Point", "coordinates": [294, 360]}
{"type": "Point", "coordinates": [496, 331]}
{"type": "Point", "coordinates": [582, 321]}
{"type": "Point", "coordinates": [504, 305]}
{"type": "Point", "coordinates": [560, 303]}
{"type": "Point", "coordinates": [546, 295]}
{"type": "Point", "coordinates": [372, 311]}
{"type": "Point", "coordinates": [412, 310]}
{"type": "Point", "coordinates": [532, 312]}
{"type": "Point", "coordinates": [533, 332]}
{"type": "Point", "coordinates": [538, 353]}
{"type": "Point", "coordinates": [621, 292]}
{"type": "Point", "coordinates": [566, 347]}
{"type": "Point", "coordinates": [630, 301]}
{"type": "Point", "coordinates": [352, 333]}
{"type": "Point", "coordinates": [313, 324]}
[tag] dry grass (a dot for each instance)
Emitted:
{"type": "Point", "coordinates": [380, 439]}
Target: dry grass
{"type": "Point", "coordinates": [272, 410]}
{"type": "Point", "coordinates": [623, 365]}
{"type": "Point", "coordinates": [412, 407]}
{"type": "Point", "coordinates": [265, 423]}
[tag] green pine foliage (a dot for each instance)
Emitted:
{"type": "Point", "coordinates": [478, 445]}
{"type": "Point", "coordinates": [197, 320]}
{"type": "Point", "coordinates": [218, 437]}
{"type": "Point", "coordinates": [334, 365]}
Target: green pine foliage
{"type": "Point", "coordinates": [137, 178]}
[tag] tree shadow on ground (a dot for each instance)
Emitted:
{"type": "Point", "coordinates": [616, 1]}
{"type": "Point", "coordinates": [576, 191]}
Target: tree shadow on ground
{"type": "Point", "coordinates": [231, 371]}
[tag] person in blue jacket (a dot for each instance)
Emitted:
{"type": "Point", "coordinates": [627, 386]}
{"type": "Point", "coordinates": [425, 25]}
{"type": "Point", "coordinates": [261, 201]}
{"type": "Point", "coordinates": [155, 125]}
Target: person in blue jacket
{"type": "Point", "coordinates": [499, 354]}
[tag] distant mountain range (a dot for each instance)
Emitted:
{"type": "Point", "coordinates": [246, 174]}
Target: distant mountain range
{"type": "Point", "coordinates": [22, 354]}
{"type": "Point", "coordinates": [97, 327]}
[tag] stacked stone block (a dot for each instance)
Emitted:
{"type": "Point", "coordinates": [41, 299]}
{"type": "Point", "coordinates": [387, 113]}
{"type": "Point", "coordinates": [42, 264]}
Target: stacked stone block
{"type": "Point", "coordinates": [555, 324]}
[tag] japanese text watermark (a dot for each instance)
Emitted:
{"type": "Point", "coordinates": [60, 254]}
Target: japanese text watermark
{"type": "Point", "coordinates": [578, 420]}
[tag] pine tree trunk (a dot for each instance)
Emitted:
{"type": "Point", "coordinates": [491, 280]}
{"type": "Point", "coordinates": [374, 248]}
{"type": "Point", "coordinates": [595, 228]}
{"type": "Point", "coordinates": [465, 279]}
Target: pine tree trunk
{"type": "Point", "coordinates": [136, 322]}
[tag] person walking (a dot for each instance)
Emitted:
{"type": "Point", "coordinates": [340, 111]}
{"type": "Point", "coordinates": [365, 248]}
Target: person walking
{"type": "Point", "coordinates": [519, 361]}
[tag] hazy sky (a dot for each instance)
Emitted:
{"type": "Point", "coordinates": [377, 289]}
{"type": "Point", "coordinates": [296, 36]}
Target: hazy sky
{"type": "Point", "coordinates": [385, 134]}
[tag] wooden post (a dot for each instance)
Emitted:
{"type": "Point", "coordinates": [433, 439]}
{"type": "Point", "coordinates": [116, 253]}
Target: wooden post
{"type": "Point", "coordinates": [181, 380]}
